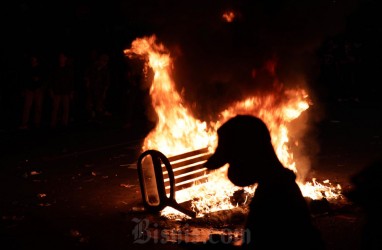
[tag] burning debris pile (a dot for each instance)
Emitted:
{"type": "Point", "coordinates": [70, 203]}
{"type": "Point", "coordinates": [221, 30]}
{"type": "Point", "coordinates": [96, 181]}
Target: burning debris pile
{"type": "Point", "coordinates": [225, 226]}
{"type": "Point", "coordinates": [178, 131]}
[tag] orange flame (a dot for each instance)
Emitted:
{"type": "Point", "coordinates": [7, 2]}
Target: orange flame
{"type": "Point", "coordinates": [177, 131]}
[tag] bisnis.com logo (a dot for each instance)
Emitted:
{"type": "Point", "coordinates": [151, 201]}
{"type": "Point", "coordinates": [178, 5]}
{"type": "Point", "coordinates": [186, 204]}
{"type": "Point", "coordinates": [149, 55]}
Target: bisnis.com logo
{"type": "Point", "coordinates": [144, 232]}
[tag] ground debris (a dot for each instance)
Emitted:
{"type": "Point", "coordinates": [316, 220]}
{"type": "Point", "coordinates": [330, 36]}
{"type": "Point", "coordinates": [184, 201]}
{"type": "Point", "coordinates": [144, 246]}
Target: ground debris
{"type": "Point", "coordinates": [41, 195]}
{"type": "Point", "coordinates": [77, 235]}
{"type": "Point", "coordinates": [46, 204]}
{"type": "Point", "coordinates": [222, 218]}
{"type": "Point", "coordinates": [35, 172]}
{"type": "Point", "coordinates": [126, 185]}
{"type": "Point", "coordinates": [12, 217]}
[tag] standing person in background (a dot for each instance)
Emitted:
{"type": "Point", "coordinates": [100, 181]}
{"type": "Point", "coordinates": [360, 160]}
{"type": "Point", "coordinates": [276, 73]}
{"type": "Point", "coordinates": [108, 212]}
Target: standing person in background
{"type": "Point", "coordinates": [346, 68]}
{"type": "Point", "coordinates": [132, 92]}
{"type": "Point", "coordinates": [61, 90]}
{"type": "Point", "coordinates": [33, 92]}
{"type": "Point", "coordinates": [97, 81]}
{"type": "Point", "coordinates": [265, 78]}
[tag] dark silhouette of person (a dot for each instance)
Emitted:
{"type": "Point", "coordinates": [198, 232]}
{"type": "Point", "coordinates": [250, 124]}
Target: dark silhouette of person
{"type": "Point", "coordinates": [279, 216]}
{"type": "Point", "coordinates": [366, 193]}
{"type": "Point", "coordinates": [346, 68]}
{"type": "Point", "coordinates": [329, 78]}
{"type": "Point", "coordinates": [33, 92]}
{"type": "Point", "coordinates": [97, 78]}
{"type": "Point", "coordinates": [61, 90]}
{"type": "Point", "coordinates": [265, 78]}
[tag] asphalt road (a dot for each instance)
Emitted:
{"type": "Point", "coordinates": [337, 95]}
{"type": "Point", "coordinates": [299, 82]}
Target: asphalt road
{"type": "Point", "coordinates": [79, 188]}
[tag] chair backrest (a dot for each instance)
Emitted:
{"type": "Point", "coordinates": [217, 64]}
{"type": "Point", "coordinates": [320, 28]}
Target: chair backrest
{"type": "Point", "coordinates": [187, 168]}
{"type": "Point", "coordinates": [160, 177]}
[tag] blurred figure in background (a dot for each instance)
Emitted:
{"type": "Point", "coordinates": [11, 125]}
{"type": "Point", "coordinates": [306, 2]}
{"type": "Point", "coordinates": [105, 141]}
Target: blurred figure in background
{"type": "Point", "coordinates": [61, 90]}
{"type": "Point", "coordinates": [97, 83]}
{"type": "Point", "coordinates": [33, 87]}
{"type": "Point", "coordinates": [133, 90]}
{"type": "Point", "coordinates": [265, 78]}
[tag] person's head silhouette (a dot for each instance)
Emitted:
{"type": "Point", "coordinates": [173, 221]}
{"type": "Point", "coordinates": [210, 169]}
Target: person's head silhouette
{"type": "Point", "coordinates": [244, 142]}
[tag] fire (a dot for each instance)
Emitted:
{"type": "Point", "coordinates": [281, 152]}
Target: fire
{"type": "Point", "coordinates": [178, 131]}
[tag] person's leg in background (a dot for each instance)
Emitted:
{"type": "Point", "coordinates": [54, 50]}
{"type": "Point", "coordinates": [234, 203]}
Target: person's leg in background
{"type": "Point", "coordinates": [38, 101]}
{"type": "Point", "coordinates": [65, 110]}
{"type": "Point", "coordinates": [55, 108]}
{"type": "Point", "coordinates": [28, 102]}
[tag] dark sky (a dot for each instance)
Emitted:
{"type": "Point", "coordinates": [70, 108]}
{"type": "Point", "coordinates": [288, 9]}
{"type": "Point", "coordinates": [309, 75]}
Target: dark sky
{"type": "Point", "coordinates": [210, 50]}
{"type": "Point", "coordinates": [277, 23]}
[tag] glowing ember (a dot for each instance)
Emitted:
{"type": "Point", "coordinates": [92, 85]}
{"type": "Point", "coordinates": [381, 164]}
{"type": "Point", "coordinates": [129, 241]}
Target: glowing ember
{"type": "Point", "coordinates": [229, 16]}
{"type": "Point", "coordinates": [177, 131]}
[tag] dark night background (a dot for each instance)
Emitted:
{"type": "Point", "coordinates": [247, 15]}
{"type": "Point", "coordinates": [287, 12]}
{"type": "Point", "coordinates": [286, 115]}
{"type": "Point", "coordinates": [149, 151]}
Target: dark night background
{"type": "Point", "coordinates": [82, 169]}
{"type": "Point", "coordinates": [207, 51]}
